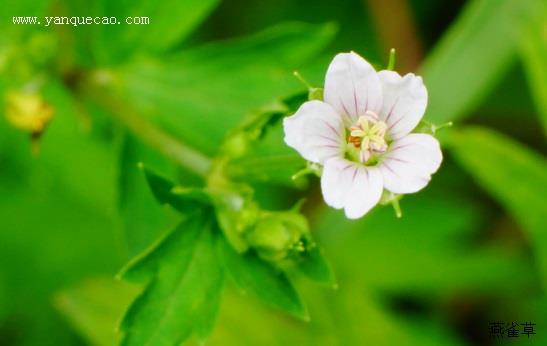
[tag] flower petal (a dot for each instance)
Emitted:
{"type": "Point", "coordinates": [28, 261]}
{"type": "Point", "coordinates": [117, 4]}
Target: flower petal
{"type": "Point", "coordinates": [352, 86]}
{"type": "Point", "coordinates": [404, 102]}
{"type": "Point", "coordinates": [335, 181]}
{"type": "Point", "coordinates": [316, 131]}
{"type": "Point", "coordinates": [351, 186]}
{"type": "Point", "coordinates": [409, 163]}
{"type": "Point", "coordinates": [365, 193]}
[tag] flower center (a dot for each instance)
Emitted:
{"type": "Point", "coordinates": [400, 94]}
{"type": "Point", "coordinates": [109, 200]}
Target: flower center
{"type": "Point", "coordinates": [367, 138]}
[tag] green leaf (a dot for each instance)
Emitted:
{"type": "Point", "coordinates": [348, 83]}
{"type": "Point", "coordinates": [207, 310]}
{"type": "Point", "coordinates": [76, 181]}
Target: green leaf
{"type": "Point", "coordinates": [181, 198]}
{"type": "Point", "coordinates": [475, 53]}
{"type": "Point", "coordinates": [270, 285]}
{"type": "Point", "coordinates": [171, 22]}
{"type": "Point", "coordinates": [316, 267]}
{"type": "Point", "coordinates": [95, 306]}
{"type": "Point", "coordinates": [514, 175]}
{"type": "Point", "coordinates": [178, 94]}
{"type": "Point", "coordinates": [146, 196]}
{"type": "Point", "coordinates": [533, 51]}
{"type": "Point", "coordinates": [183, 294]}
{"type": "Point", "coordinates": [143, 219]}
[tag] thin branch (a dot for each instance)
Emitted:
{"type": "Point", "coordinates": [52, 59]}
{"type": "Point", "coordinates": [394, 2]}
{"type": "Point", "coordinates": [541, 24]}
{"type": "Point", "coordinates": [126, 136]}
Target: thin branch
{"type": "Point", "coordinates": [148, 132]}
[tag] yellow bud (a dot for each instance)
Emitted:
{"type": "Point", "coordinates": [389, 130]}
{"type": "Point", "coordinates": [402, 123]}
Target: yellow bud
{"type": "Point", "coordinates": [28, 111]}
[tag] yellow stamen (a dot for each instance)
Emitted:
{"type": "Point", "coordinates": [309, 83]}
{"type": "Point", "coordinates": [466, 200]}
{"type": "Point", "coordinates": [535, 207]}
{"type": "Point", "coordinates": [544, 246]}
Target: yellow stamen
{"type": "Point", "coordinates": [367, 135]}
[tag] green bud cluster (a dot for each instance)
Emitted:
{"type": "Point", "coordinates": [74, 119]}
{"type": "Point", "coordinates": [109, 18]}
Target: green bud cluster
{"type": "Point", "coordinates": [278, 236]}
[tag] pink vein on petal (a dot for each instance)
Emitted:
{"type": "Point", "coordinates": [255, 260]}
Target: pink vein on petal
{"type": "Point", "coordinates": [392, 107]}
{"type": "Point", "coordinates": [336, 132]}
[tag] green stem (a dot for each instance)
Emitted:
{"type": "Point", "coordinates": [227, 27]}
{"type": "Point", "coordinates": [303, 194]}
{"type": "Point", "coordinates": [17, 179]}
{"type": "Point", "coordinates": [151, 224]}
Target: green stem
{"type": "Point", "coordinates": [179, 152]}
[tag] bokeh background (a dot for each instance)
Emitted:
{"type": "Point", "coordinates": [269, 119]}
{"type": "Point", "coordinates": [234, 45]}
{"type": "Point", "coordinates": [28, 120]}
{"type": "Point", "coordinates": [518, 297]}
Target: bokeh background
{"type": "Point", "coordinates": [470, 249]}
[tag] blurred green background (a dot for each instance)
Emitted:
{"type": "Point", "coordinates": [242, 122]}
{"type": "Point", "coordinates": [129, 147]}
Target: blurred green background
{"type": "Point", "coordinates": [470, 249]}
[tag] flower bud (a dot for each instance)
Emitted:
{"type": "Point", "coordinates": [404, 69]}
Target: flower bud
{"type": "Point", "coordinates": [277, 235]}
{"type": "Point", "coordinates": [28, 111]}
{"type": "Point", "coordinates": [236, 146]}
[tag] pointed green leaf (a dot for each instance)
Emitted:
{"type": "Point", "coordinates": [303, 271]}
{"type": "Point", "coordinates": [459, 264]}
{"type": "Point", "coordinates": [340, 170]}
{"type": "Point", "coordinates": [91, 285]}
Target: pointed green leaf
{"type": "Point", "coordinates": [533, 51]}
{"type": "Point", "coordinates": [181, 198]}
{"type": "Point", "coordinates": [316, 267]}
{"type": "Point", "coordinates": [142, 218]}
{"type": "Point", "coordinates": [474, 54]}
{"type": "Point", "coordinates": [183, 294]}
{"type": "Point", "coordinates": [514, 175]}
{"type": "Point", "coordinates": [272, 286]}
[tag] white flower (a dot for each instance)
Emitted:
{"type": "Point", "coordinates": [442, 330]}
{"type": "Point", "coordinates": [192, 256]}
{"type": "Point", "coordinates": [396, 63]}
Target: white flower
{"type": "Point", "coordinates": [361, 135]}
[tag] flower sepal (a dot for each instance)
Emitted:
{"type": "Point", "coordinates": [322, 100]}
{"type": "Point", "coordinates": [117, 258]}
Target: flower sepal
{"type": "Point", "coordinates": [314, 93]}
{"type": "Point", "coordinates": [429, 128]}
{"type": "Point", "coordinates": [390, 198]}
{"type": "Point", "coordinates": [310, 169]}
